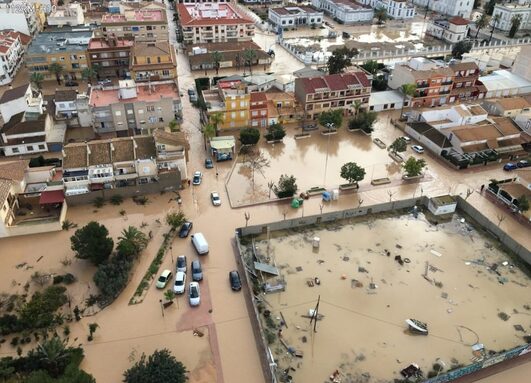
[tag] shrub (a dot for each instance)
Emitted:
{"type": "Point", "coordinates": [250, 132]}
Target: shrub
{"type": "Point", "coordinates": [275, 132]}
{"type": "Point", "coordinates": [98, 202]}
{"type": "Point", "coordinates": [363, 121]}
{"type": "Point", "coordinates": [39, 312]}
{"type": "Point", "coordinates": [286, 186]}
{"type": "Point", "coordinates": [249, 136]}
{"type": "Point", "coordinates": [175, 220]}
{"type": "Point", "coordinates": [112, 276]}
{"type": "Point", "coordinates": [68, 279]}
{"type": "Point", "coordinates": [92, 242]}
{"type": "Point", "coordinates": [117, 199]}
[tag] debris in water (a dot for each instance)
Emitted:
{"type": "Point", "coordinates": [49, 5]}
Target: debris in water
{"type": "Point", "coordinates": [398, 246]}
{"type": "Point", "coordinates": [304, 339]}
{"type": "Point", "coordinates": [355, 283]}
{"type": "Point", "coordinates": [436, 253]}
{"type": "Point", "coordinates": [503, 316]}
{"type": "Point", "coordinates": [198, 333]}
{"type": "Point", "coordinates": [362, 270]}
{"type": "Point", "coordinates": [317, 281]}
{"type": "Point", "coordinates": [345, 258]}
{"type": "Point", "coordinates": [407, 260]}
{"type": "Point", "coordinates": [398, 258]}
{"type": "Point", "coordinates": [518, 327]}
{"type": "Point", "coordinates": [444, 295]}
{"type": "Point", "coordinates": [320, 261]}
{"type": "Point", "coordinates": [298, 268]}
{"type": "Point", "coordinates": [502, 280]}
{"type": "Point", "coordinates": [310, 282]}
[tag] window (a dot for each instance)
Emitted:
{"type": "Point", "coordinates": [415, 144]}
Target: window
{"type": "Point", "coordinates": [242, 114]}
{"type": "Point", "coordinates": [29, 148]}
{"type": "Point", "coordinates": [150, 108]}
{"type": "Point", "coordinates": [161, 119]}
{"type": "Point", "coordinates": [148, 59]}
{"type": "Point", "coordinates": [41, 147]}
{"type": "Point", "coordinates": [129, 111]}
{"type": "Point", "coordinates": [15, 150]}
{"type": "Point", "coordinates": [118, 113]}
{"type": "Point", "coordinates": [165, 72]}
{"type": "Point", "coordinates": [140, 111]}
{"type": "Point", "coordinates": [152, 120]}
{"type": "Point", "coordinates": [233, 115]}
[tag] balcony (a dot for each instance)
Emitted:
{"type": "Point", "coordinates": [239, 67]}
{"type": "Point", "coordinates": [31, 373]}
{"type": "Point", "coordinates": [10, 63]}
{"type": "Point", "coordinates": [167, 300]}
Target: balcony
{"type": "Point", "coordinates": [423, 85]}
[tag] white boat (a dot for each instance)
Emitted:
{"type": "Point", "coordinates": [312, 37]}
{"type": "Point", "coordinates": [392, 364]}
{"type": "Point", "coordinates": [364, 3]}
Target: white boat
{"type": "Point", "coordinates": [417, 326]}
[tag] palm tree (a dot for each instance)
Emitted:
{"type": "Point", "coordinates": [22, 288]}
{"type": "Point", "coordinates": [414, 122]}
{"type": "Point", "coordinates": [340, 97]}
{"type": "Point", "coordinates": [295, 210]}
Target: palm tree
{"type": "Point", "coordinates": [174, 126]}
{"type": "Point", "coordinates": [216, 119]}
{"type": "Point", "coordinates": [381, 14]}
{"type": "Point", "coordinates": [249, 56]}
{"type": "Point", "coordinates": [494, 20]}
{"type": "Point", "coordinates": [516, 21]}
{"type": "Point", "coordinates": [209, 131]}
{"type": "Point", "coordinates": [88, 74]}
{"type": "Point", "coordinates": [216, 59]}
{"type": "Point", "coordinates": [357, 106]}
{"type": "Point", "coordinates": [36, 79]}
{"type": "Point", "coordinates": [482, 22]}
{"type": "Point", "coordinates": [408, 90]}
{"type": "Point", "coordinates": [56, 69]}
{"type": "Point", "coordinates": [134, 238]}
{"type": "Point", "coordinates": [53, 354]}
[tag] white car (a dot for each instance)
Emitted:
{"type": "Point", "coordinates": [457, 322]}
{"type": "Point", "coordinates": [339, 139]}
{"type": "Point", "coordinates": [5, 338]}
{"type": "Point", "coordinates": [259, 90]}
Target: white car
{"type": "Point", "coordinates": [165, 276]}
{"type": "Point", "coordinates": [417, 148]}
{"type": "Point", "coordinates": [196, 180]}
{"type": "Point", "coordinates": [180, 283]}
{"type": "Point", "coordinates": [194, 294]}
{"type": "Point", "coordinates": [216, 200]}
{"type": "Point", "coordinates": [181, 263]}
{"type": "Point", "coordinates": [407, 139]}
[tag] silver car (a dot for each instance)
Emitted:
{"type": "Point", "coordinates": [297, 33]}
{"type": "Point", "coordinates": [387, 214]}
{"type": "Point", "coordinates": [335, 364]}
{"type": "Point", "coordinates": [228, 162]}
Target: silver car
{"type": "Point", "coordinates": [197, 271]}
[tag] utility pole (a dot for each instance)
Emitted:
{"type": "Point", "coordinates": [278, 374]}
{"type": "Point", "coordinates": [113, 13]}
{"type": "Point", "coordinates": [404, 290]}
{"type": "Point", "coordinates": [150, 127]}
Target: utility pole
{"type": "Point", "coordinates": [315, 315]}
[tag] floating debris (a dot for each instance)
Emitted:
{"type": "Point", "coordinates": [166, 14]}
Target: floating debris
{"type": "Point", "coordinates": [354, 283]}
{"type": "Point", "coordinates": [198, 333]}
{"type": "Point", "coordinates": [436, 253]}
{"type": "Point", "coordinates": [362, 269]}
{"type": "Point", "coordinates": [346, 259]}
{"type": "Point", "coordinates": [518, 327]}
{"type": "Point", "coordinates": [298, 268]}
{"type": "Point", "coordinates": [503, 316]}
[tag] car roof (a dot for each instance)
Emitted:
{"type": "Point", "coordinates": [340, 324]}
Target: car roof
{"type": "Point", "coordinates": [196, 262]}
{"type": "Point", "coordinates": [181, 257]}
{"type": "Point", "coordinates": [180, 275]}
{"type": "Point", "coordinates": [194, 284]}
{"type": "Point", "coordinates": [165, 273]}
{"type": "Point", "coordinates": [215, 193]}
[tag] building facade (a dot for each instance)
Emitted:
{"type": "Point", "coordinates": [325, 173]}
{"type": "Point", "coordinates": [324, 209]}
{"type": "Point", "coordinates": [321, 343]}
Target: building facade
{"type": "Point", "coordinates": [142, 25]}
{"type": "Point", "coordinates": [200, 55]}
{"type": "Point", "coordinates": [461, 8]}
{"type": "Point", "coordinates": [20, 16]}
{"type": "Point", "coordinates": [295, 16]}
{"type": "Point", "coordinates": [71, 14]}
{"type": "Point", "coordinates": [110, 57]}
{"type": "Point", "coordinates": [11, 55]}
{"type": "Point", "coordinates": [345, 11]}
{"type": "Point", "coordinates": [396, 9]}
{"type": "Point", "coordinates": [231, 100]}
{"type": "Point", "coordinates": [20, 99]}
{"type": "Point", "coordinates": [153, 62]}
{"type": "Point", "coordinates": [337, 91]}
{"type": "Point", "coordinates": [452, 30]}
{"type": "Point", "coordinates": [507, 11]}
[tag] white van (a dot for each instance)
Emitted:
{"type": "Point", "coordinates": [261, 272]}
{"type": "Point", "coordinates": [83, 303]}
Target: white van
{"type": "Point", "coordinates": [200, 243]}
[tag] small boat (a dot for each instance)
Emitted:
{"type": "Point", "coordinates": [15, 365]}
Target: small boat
{"type": "Point", "coordinates": [417, 326]}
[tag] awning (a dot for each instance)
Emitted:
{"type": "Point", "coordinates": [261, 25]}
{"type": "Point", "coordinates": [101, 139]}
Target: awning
{"type": "Point", "coordinates": [94, 187]}
{"type": "Point", "coordinates": [52, 197]}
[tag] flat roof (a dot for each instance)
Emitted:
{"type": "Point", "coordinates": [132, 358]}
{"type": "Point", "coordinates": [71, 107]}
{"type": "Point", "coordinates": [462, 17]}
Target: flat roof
{"type": "Point", "coordinates": [222, 142]}
{"type": "Point", "coordinates": [104, 97]}
{"type": "Point", "coordinates": [385, 97]}
{"type": "Point", "coordinates": [503, 79]}
{"type": "Point", "coordinates": [140, 15]}
{"type": "Point", "coordinates": [210, 14]}
{"type": "Point", "coordinates": [101, 43]}
{"type": "Point", "coordinates": [56, 42]}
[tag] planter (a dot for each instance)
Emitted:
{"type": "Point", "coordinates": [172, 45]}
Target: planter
{"type": "Point", "coordinates": [315, 191]}
{"type": "Point", "coordinates": [349, 186]}
{"type": "Point", "coordinates": [380, 181]}
{"type": "Point", "coordinates": [397, 157]}
{"type": "Point", "coordinates": [302, 135]}
{"type": "Point", "coordinates": [353, 130]}
{"type": "Point", "coordinates": [273, 141]}
{"type": "Point", "coordinates": [412, 178]}
{"type": "Point", "coordinates": [329, 132]}
{"type": "Point", "coordinates": [379, 143]}
{"type": "Point", "coordinates": [367, 134]}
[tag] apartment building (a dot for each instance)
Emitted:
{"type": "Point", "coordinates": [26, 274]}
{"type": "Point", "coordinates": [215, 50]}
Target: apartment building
{"type": "Point", "coordinates": [71, 14]}
{"type": "Point", "coordinates": [295, 16]}
{"type": "Point", "coordinates": [153, 61]}
{"type": "Point", "coordinates": [346, 11]}
{"type": "Point", "coordinates": [172, 152]}
{"type": "Point", "coordinates": [508, 106]}
{"type": "Point", "coordinates": [461, 8]}
{"type": "Point", "coordinates": [66, 47]}
{"type": "Point", "coordinates": [258, 110]}
{"type": "Point", "coordinates": [396, 9]}
{"type": "Point", "coordinates": [213, 22]}
{"type": "Point", "coordinates": [508, 10]}
{"type": "Point", "coordinates": [143, 25]}
{"type": "Point", "coordinates": [337, 91]}
{"type": "Point", "coordinates": [11, 55]}
{"type": "Point", "coordinates": [232, 101]}
{"type": "Point", "coordinates": [134, 109]}
{"type": "Point", "coordinates": [451, 30]}
{"type": "Point", "coordinates": [110, 56]}
{"type": "Point", "coordinates": [200, 55]}
{"type": "Point", "coordinates": [20, 99]}
{"type": "Point", "coordinates": [21, 16]}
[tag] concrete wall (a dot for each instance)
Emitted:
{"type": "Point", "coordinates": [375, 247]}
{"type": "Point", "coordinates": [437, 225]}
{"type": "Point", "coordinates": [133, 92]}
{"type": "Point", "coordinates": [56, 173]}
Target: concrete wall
{"type": "Point", "coordinates": [38, 227]}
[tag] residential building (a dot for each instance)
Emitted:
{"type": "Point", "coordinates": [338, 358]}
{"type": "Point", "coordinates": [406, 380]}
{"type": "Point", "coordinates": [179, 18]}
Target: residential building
{"type": "Point", "coordinates": [396, 9]}
{"type": "Point", "coordinates": [134, 109]}
{"type": "Point", "coordinates": [172, 152]}
{"type": "Point", "coordinates": [346, 11]}
{"type": "Point", "coordinates": [19, 100]}
{"type": "Point", "coordinates": [66, 47]}
{"type": "Point", "coordinates": [28, 133]}
{"type": "Point", "coordinates": [19, 16]}
{"type": "Point", "coordinates": [337, 91]}
{"type": "Point", "coordinates": [213, 22]}
{"type": "Point", "coordinates": [258, 110]}
{"type": "Point", "coordinates": [142, 25]}
{"type": "Point", "coordinates": [508, 10]}
{"type": "Point", "coordinates": [507, 106]}
{"type": "Point", "coordinates": [461, 8]}
{"type": "Point", "coordinates": [295, 16]}
{"type": "Point", "coordinates": [449, 116]}
{"type": "Point", "coordinates": [385, 100]}
{"type": "Point", "coordinates": [503, 83]}
{"type": "Point", "coordinates": [153, 61]}
{"type": "Point", "coordinates": [232, 101]}
{"type": "Point", "coordinates": [438, 83]}
{"type": "Point", "coordinates": [71, 14]}
{"type": "Point", "coordinates": [452, 30]}
{"type": "Point", "coordinates": [65, 104]}
{"type": "Point", "coordinates": [282, 107]}
{"type": "Point", "coordinates": [200, 55]}
{"type": "Point", "coordinates": [521, 63]}
{"type": "Point", "coordinates": [110, 56]}
{"type": "Point", "coordinates": [249, 2]}
{"type": "Point", "coordinates": [11, 55]}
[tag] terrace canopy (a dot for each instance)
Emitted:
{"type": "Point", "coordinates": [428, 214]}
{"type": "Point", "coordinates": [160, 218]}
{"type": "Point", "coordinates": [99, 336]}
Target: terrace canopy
{"type": "Point", "coordinates": [52, 197]}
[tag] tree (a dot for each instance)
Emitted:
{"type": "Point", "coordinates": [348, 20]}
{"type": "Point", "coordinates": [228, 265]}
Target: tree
{"type": "Point", "coordinates": [112, 276]}
{"type": "Point", "coordinates": [516, 21]}
{"type": "Point", "coordinates": [286, 187]}
{"type": "Point", "coordinates": [88, 74]}
{"type": "Point", "coordinates": [371, 66]}
{"type": "Point", "coordinates": [331, 117]}
{"type": "Point", "coordinates": [489, 7]}
{"type": "Point", "coordinates": [52, 355]}
{"type": "Point", "coordinates": [340, 59]}
{"type": "Point", "coordinates": [352, 172]}
{"type": "Point", "coordinates": [398, 146]}
{"type": "Point", "coordinates": [523, 203]}
{"type": "Point", "coordinates": [174, 126]}
{"type": "Point", "coordinates": [495, 19]}
{"type": "Point", "coordinates": [413, 167]}
{"type": "Point", "coordinates": [363, 121]}
{"type": "Point", "coordinates": [57, 69]}
{"type": "Point", "coordinates": [380, 14]}
{"type": "Point", "coordinates": [175, 220]}
{"type": "Point", "coordinates": [249, 55]}
{"type": "Point", "coordinates": [132, 241]}
{"type": "Point", "coordinates": [482, 22]}
{"type": "Point", "coordinates": [477, 4]}
{"type": "Point", "coordinates": [408, 90]}
{"type": "Point", "coordinates": [92, 242]}
{"type": "Point", "coordinates": [36, 79]}
{"type": "Point", "coordinates": [209, 131]}
{"type": "Point", "coordinates": [169, 295]}
{"type": "Point", "coordinates": [39, 312]}
{"type": "Point", "coordinates": [216, 119]}
{"type": "Point", "coordinates": [161, 366]}
{"type": "Point", "coordinates": [275, 132]}
{"type": "Point", "coordinates": [249, 136]}
{"type": "Point", "coordinates": [460, 48]}
{"type": "Point", "coordinates": [92, 329]}
{"type": "Point", "coordinates": [216, 59]}
{"type": "Point", "coordinates": [357, 106]}
{"type": "Point", "coordinates": [256, 161]}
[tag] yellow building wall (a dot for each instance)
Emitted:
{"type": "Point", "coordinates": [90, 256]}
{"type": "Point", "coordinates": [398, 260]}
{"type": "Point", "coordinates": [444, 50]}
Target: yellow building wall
{"type": "Point", "coordinates": [66, 63]}
{"type": "Point", "coordinates": [236, 114]}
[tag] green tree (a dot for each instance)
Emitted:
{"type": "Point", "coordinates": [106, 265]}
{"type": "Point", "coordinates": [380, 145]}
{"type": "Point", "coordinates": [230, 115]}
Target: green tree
{"type": "Point", "coordinates": [413, 167]}
{"type": "Point", "coordinates": [516, 21]}
{"type": "Point", "coordinates": [161, 366]}
{"type": "Point", "coordinates": [216, 119]}
{"type": "Point", "coordinates": [174, 126]}
{"type": "Point", "coordinates": [132, 241]}
{"type": "Point", "coordinates": [331, 117]}
{"type": "Point", "coordinates": [57, 69]}
{"type": "Point", "coordinates": [216, 60]}
{"type": "Point", "coordinates": [340, 59]}
{"type": "Point", "coordinates": [482, 22]}
{"type": "Point", "coordinates": [169, 295]}
{"type": "Point", "coordinates": [249, 56]}
{"type": "Point", "coordinates": [477, 4]}
{"type": "Point", "coordinates": [489, 7]}
{"type": "Point", "coordinates": [275, 132]}
{"type": "Point", "coordinates": [371, 66]}
{"type": "Point", "coordinates": [92, 242]}
{"type": "Point", "coordinates": [408, 90]}
{"type": "Point", "coordinates": [363, 121]}
{"type": "Point", "coordinates": [175, 220]}
{"type": "Point", "coordinates": [380, 14]}
{"type": "Point", "coordinates": [249, 136]}
{"type": "Point", "coordinates": [53, 355]}
{"type": "Point", "coordinates": [523, 203]}
{"type": "Point", "coordinates": [112, 276]}
{"type": "Point", "coordinates": [209, 131]}
{"type": "Point", "coordinates": [36, 79]}
{"type": "Point", "coordinates": [398, 146]}
{"type": "Point", "coordinates": [460, 48]}
{"type": "Point", "coordinates": [88, 74]}
{"type": "Point", "coordinates": [92, 329]}
{"type": "Point", "coordinates": [352, 172]}
{"type": "Point", "coordinates": [39, 312]}
{"type": "Point", "coordinates": [286, 187]}
{"type": "Point", "coordinates": [495, 20]}
{"type": "Point", "coordinates": [357, 106]}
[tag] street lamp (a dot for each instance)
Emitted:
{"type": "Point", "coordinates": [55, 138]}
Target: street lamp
{"type": "Point", "coordinates": [161, 307]}
{"type": "Point", "coordinates": [330, 126]}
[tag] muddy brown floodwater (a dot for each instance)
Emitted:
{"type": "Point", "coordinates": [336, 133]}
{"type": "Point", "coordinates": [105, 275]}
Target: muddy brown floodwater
{"type": "Point", "coordinates": [363, 333]}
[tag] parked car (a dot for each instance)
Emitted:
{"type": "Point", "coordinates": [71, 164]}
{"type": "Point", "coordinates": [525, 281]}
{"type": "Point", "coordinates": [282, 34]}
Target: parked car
{"type": "Point", "coordinates": [105, 82]}
{"type": "Point", "coordinates": [216, 200]}
{"type": "Point", "coordinates": [200, 243]}
{"type": "Point", "coordinates": [71, 83]}
{"type": "Point", "coordinates": [208, 163]}
{"type": "Point", "coordinates": [417, 148]}
{"type": "Point", "coordinates": [196, 180]}
{"type": "Point", "coordinates": [194, 294]}
{"type": "Point", "coordinates": [510, 166]}
{"type": "Point", "coordinates": [181, 263]}
{"type": "Point", "coordinates": [235, 281]}
{"type": "Point", "coordinates": [185, 229]}
{"type": "Point", "coordinates": [407, 139]}
{"type": "Point", "coordinates": [523, 164]}
{"type": "Point", "coordinates": [180, 283]}
{"type": "Point", "coordinates": [223, 156]}
{"type": "Point", "coordinates": [165, 276]}
{"type": "Point", "coordinates": [197, 271]}
{"type": "Point", "coordinates": [191, 91]}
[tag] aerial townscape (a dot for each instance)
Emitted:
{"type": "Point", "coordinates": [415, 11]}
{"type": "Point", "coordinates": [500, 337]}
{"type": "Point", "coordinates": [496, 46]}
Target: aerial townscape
{"type": "Point", "coordinates": [265, 191]}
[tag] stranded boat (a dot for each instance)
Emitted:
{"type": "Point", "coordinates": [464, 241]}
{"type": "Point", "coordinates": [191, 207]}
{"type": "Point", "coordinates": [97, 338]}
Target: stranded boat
{"type": "Point", "coordinates": [417, 326]}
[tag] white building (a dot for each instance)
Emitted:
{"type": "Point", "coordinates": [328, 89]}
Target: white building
{"type": "Point", "coordinates": [502, 83]}
{"type": "Point", "coordinates": [461, 8]}
{"type": "Point", "coordinates": [386, 100]}
{"type": "Point", "coordinates": [450, 116]}
{"type": "Point", "coordinates": [19, 16]}
{"type": "Point", "coordinates": [521, 66]}
{"type": "Point", "coordinates": [11, 55]}
{"type": "Point", "coordinates": [294, 16]}
{"type": "Point", "coordinates": [345, 11]}
{"type": "Point", "coordinates": [71, 14]}
{"type": "Point", "coordinates": [20, 99]}
{"type": "Point", "coordinates": [397, 9]}
{"type": "Point", "coordinates": [452, 31]}
{"type": "Point", "coordinates": [509, 10]}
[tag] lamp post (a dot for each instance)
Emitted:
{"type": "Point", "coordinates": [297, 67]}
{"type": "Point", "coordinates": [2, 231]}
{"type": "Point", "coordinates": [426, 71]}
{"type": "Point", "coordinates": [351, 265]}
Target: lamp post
{"type": "Point", "coordinates": [161, 307]}
{"type": "Point", "coordinates": [330, 126]}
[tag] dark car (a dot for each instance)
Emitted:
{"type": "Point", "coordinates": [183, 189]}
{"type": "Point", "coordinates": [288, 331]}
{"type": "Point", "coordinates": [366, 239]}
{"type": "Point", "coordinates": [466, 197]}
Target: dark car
{"type": "Point", "coordinates": [523, 164]}
{"type": "Point", "coordinates": [208, 163]}
{"type": "Point", "coordinates": [185, 229]}
{"type": "Point", "coordinates": [510, 166]}
{"type": "Point", "coordinates": [71, 83]}
{"type": "Point", "coordinates": [197, 271]}
{"type": "Point", "coordinates": [181, 263]}
{"type": "Point", "coordinates": [235, 281]}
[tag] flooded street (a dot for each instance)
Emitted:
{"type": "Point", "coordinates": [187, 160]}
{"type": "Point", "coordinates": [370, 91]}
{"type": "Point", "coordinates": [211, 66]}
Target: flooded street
{"type": "Point", "coordinates": [366, 295]}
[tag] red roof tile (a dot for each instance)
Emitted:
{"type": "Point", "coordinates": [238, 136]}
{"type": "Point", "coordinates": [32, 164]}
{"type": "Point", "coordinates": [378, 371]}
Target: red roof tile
{"type": "Point", "coordinates": [458, 20]}
{"type": "Point", "coordinates": [335, 82]}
